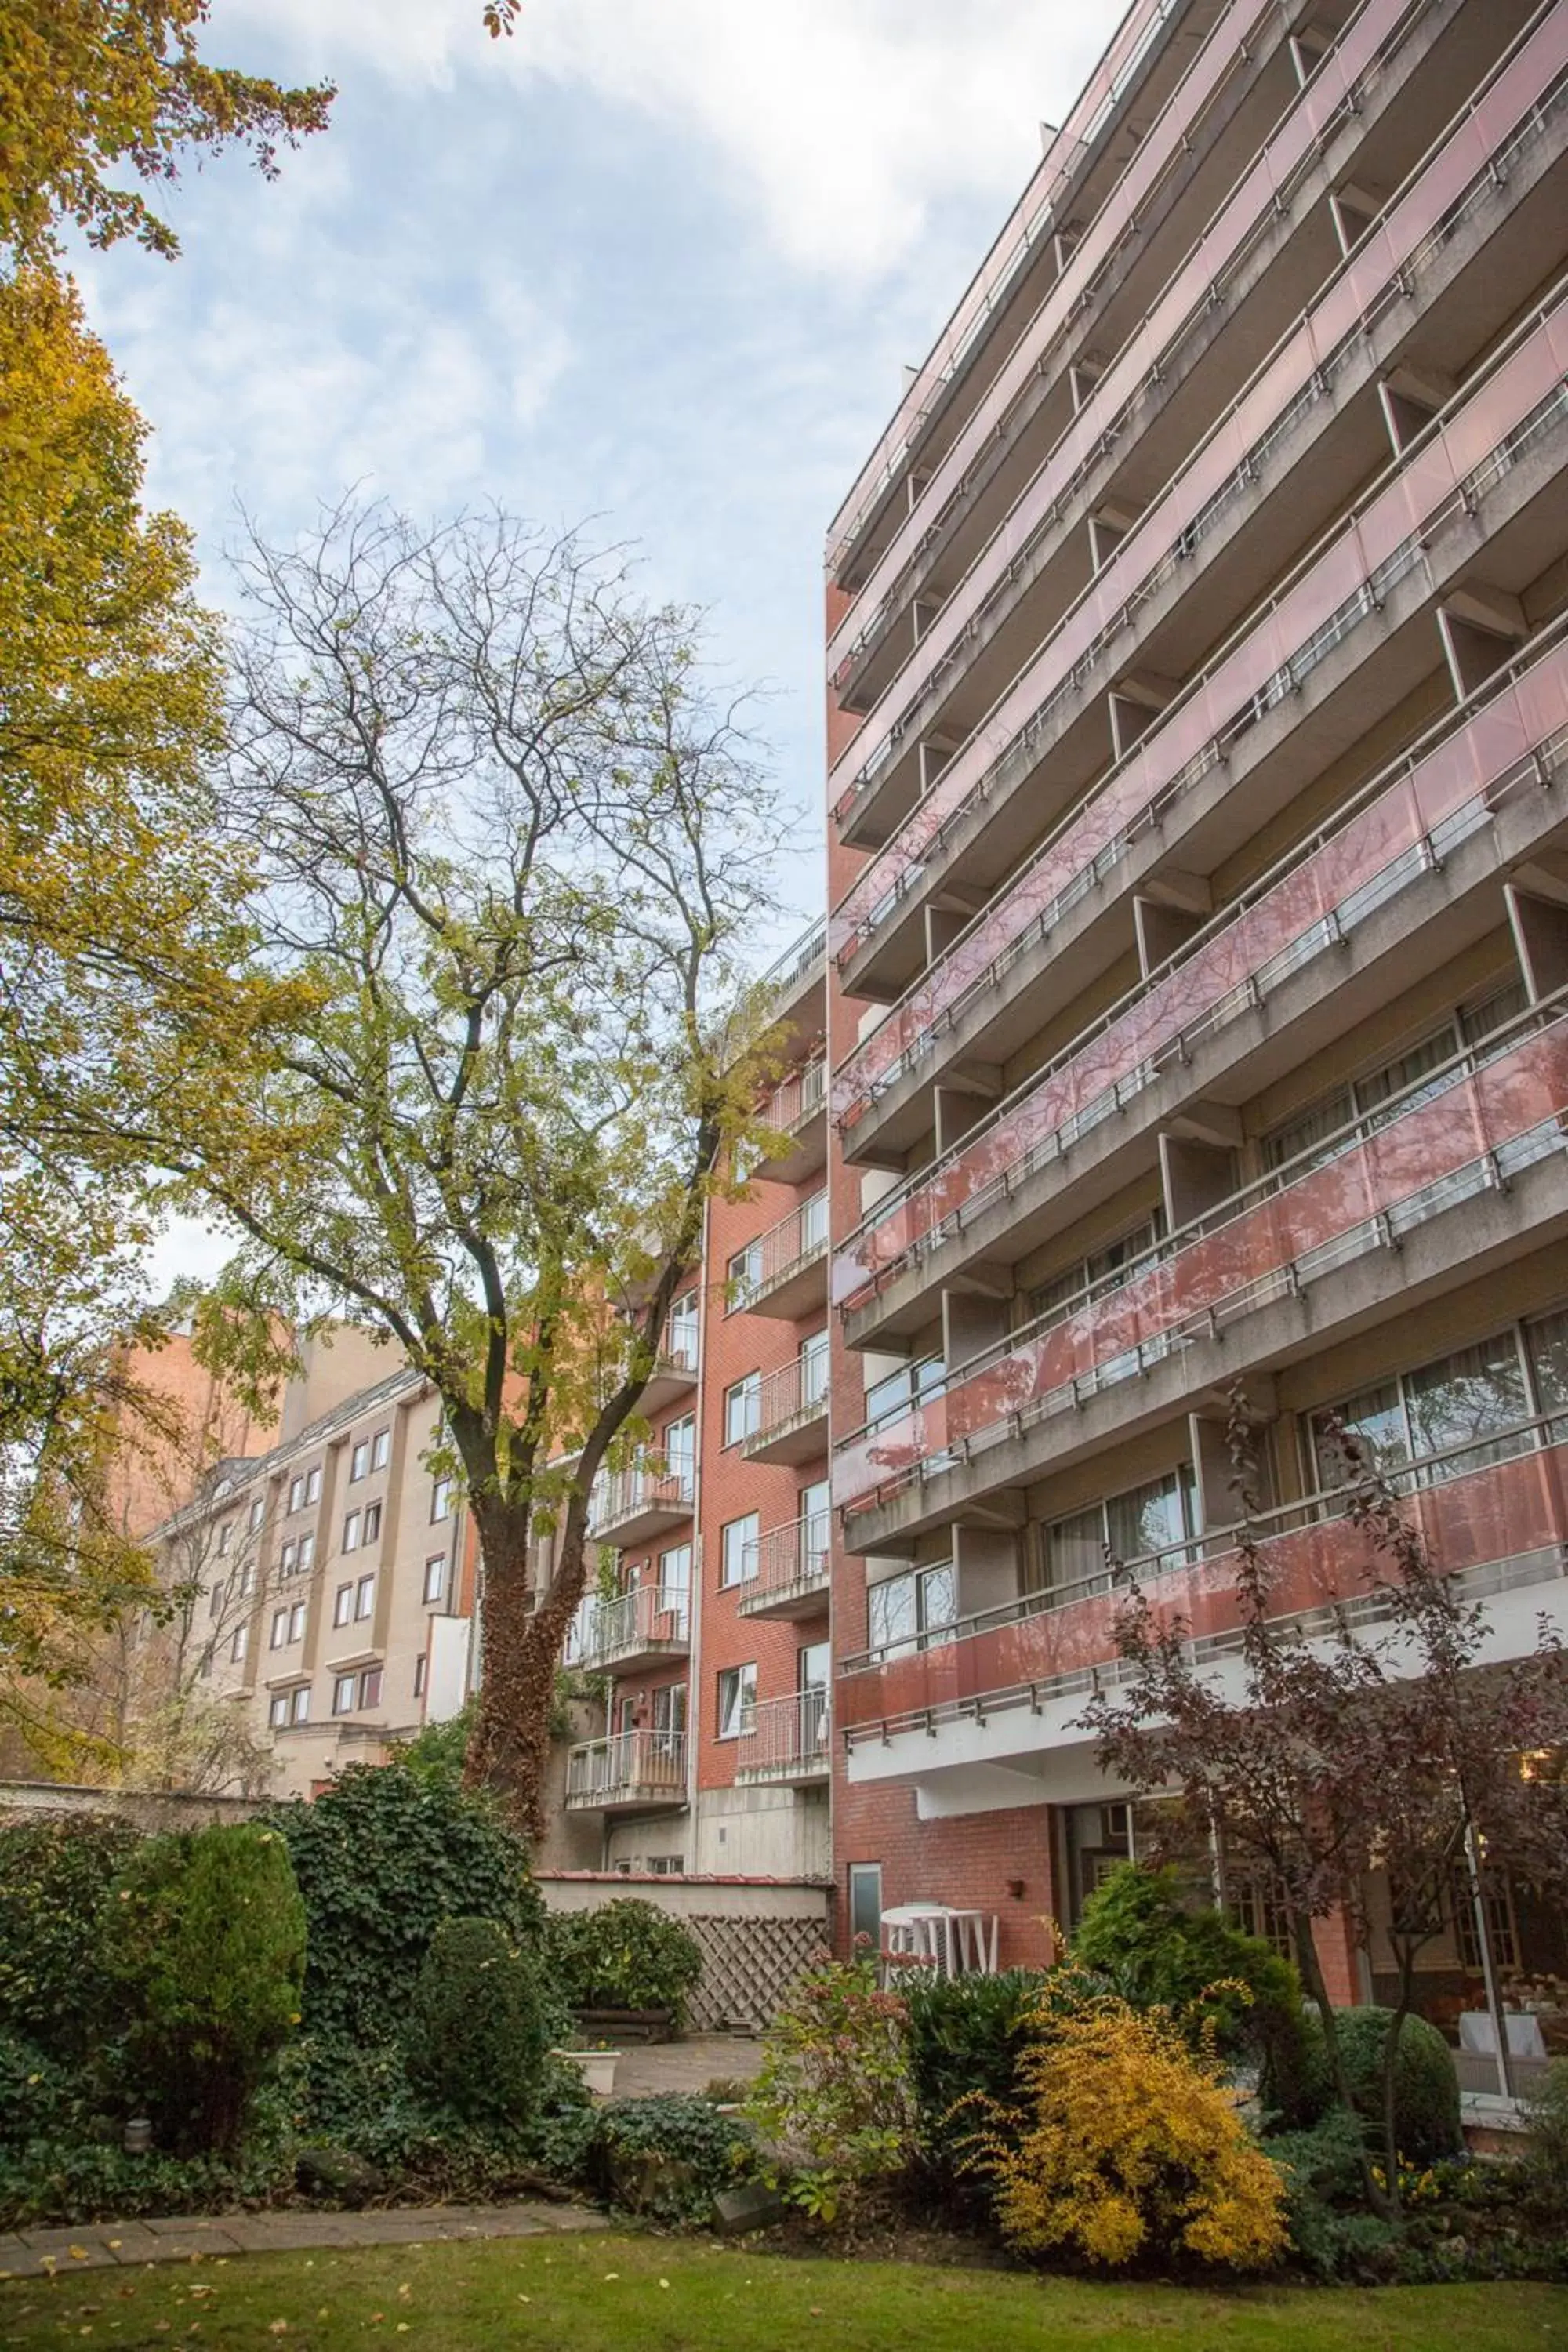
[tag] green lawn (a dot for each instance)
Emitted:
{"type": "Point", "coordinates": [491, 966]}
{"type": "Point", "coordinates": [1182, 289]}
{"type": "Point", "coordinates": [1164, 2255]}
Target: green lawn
{"type": "Point", "coordinates": [606, 2293]}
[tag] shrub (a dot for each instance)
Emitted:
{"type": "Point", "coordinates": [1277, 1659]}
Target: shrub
{"type": "Point", "coordinates": [56, 1880]}
{"type": "Point", "coordinates": [666, 2157]}
{"type": "Point", "coordinates": [1131, 2147]}
{"type": "Point", "coordinates": [207, 1944]}
{"type": "Point", "coordinates": [1159, 1952]}
{"type": "Point", "coordinates": [383, 1858]}
{"type": "Point", "coordinates": [479, 2024]}
{"type": "Point", "coordinates": [1425, 2085]}
{"type": "Point", "coordinates": [835, 2094]}
{"type": "Point", "coordinates": [1546, 2152]}
{"type": "Point", "coordinates": [966, 2036]}
{"type": "Point", "coordinates": [625, 1955]}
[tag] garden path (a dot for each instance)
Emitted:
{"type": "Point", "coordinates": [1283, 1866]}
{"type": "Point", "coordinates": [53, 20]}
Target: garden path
{"type": "Point", "coordinates": [686, 2067]}
{"type": "Point", "coordinates": [27, 2252]}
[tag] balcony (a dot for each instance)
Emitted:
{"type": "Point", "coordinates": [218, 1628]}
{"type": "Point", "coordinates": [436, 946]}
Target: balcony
{"type": "Point", "coordinates": [633, 1505]}
{"type": "Point", "coordinates": [1468, 1127]}
{"type": "Point", "coordinates": [1007, 1687]}
{"type": "Point", "coordinates": [673, 1375]}
{"type": "Point", "coordinates": [796, 1118]}
{"type": "Point", "coordinates": [630, 1772]}
{"type": "Point", "coordinates": [1515, 405]}
{"type": "Point", "coordinates": [792, 987]}
{"type": "Point", "coordinates": [784, 1271]}
{"type": "Point", "coordinates": [787, 1570]}
{"type": "Point", "coordinates": [787, 1741]}
{"type": "Point", "coordinates": [639, 1627]}
{"type": "Point", "coordinates": [792, 1413]}
{"type": "Point", "coordinates": [1511, 735]}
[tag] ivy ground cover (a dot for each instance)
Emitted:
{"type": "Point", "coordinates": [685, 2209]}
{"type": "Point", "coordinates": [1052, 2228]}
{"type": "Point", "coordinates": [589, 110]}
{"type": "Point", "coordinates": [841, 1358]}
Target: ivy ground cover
{"type": "Point", "coordinates": [606, 2291]}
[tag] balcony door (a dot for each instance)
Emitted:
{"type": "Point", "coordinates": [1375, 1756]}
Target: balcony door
{"type": "Point", "coordinates": [680, 1453]}
{"type": "Point", "coordinates": [816, 1528]}
{"type": "Point", "coordinates": [814, 1669]}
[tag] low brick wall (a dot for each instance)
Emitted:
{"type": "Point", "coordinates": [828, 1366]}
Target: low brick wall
{"type": "Point", "coordinates": [757, 1935]}
{"type": "Point", "coordinates": [148, 1810]}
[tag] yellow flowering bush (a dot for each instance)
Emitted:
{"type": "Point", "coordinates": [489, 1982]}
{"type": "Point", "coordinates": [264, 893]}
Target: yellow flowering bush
{"type": "Point", "coordinates": [1131, 2146]}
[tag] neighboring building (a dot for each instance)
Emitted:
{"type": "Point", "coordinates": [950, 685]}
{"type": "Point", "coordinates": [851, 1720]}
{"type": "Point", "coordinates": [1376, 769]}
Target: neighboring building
{"type": "Point", "coordinates": [1198, 992]}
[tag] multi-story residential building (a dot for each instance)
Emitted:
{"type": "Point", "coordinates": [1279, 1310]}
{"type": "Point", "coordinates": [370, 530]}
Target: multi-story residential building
{"type": "Point", "coordinates": [1199, 960]}
{"type": "Point", "coordinates": [714, 1640]}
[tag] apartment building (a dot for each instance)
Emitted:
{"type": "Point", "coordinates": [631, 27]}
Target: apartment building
{"type": "Point", "coordinates": [711, 1627]}
{"type": "Point", "coordinates": [1197, 997]}
{"type": "Point", "coordinates": [334, 1572]}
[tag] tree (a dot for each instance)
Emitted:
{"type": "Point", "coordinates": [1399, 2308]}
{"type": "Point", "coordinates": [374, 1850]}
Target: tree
{"type": "Point", "coordinates": [88, 85]}
{"type": "Point", "coordinates": [1373, 1740]}
{"type": "Point", "coordinates": [514, 853]}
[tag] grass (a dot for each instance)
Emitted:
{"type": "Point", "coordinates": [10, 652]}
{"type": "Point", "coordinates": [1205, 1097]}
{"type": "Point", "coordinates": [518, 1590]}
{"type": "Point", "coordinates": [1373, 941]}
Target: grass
{"type": "Point", "coordinates": [604, 2293]}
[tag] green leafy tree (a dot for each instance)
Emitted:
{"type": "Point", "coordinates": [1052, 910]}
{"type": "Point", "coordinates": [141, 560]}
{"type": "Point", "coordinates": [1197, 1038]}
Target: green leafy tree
{"type": "Point", "coordinates": [479, 2024]}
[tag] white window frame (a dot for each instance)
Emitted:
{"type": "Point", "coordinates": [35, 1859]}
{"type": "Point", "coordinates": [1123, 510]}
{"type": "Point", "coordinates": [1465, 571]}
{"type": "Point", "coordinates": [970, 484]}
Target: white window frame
{"type": "Point", "coordinates": [435, 1578]}
{"type": "Point", "coordinates": [736, 1700]}
{"type": "Point", "coordinates": [737, 1539]}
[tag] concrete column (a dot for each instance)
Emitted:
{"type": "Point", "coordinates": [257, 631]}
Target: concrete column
{"type": "Point", "coordinates": [1162, 930]}
{"type": "Point", "coordinates": [985, 1568]}
{"type": "Point", "coordinates": [1197, 1174]}
{"type": "Point", "coordinates": [1540, 927]}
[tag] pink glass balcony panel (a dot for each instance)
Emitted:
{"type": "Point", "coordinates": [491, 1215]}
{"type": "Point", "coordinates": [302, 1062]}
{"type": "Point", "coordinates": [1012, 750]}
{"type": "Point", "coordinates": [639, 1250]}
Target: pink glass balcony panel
{"type": "Point", "coordinates": [1360, 285]}
{"type": "Point", "coordinates": [1509, 1509]}
{"type": "Point", "coordinates": [1396, 513]}
{"type": "Point", "coordinates": [1512, 1095]}
{"type": "Point", "coordinates": [1004, 255]}
{"type": "Point", "coordinates": [1337, 310]}
{"type": "Point", "coordinates": [1527, 714]}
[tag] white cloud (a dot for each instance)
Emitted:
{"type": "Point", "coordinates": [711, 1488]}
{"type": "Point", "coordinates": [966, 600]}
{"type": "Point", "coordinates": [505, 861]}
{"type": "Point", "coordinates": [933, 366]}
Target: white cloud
{"type": "Point", "coordinates": [844, 122]}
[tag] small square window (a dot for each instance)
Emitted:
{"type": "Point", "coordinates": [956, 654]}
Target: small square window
{"type": "Point", "coordinates": [225, 1538]}
{"type": "Point", "coordinates": [435, 1576]}
{"type": "Point", "coordinates": [364, 1598]}
{"type": "Point", "coordinates": [279, 1628]}
{"type": "Point", "coordinates": [350, 1532]}
{"type": "Point", "coordinates": [344, 1695]}
{"type": "Point", "coordinates": [370, 1687]}
{"type": "Point", "coordinates": [421, 1673]}
{"type": "Point", "coordinates": [296, 1493]}
{"type": "Point", "coordinates": [300, 1704]}
{"type": "Point", "coordinates": [344, 1604]}
{"type": "Point", "coordinates": [313, 1485]}
{"type": "Point", "coordinates": [440, 1500]}
{"type": "Point", "coordinates": [371, 1522]}
{"type": "Point", "coordinates": [277, 1710]}
{"type": "Point", "coordinates": [297, 1622]}
{"type": "Point", "coordinates": [240, 1644]}
{"type": "Point", "coordinates": [359, 1460]}
{"type": "Point", "coordinates": [380, 1449]}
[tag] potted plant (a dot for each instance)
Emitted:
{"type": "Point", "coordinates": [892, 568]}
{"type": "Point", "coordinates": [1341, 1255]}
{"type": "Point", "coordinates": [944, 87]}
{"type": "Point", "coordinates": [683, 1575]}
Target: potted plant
{"type": "Point", "coordinates": [596, 2065]}
{"type": "Point", "coordinates": [625, 1968]}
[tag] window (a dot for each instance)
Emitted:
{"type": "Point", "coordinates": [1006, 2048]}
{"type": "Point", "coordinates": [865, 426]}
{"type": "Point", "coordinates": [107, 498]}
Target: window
{"type": "Point", "coordinates": [240, 1644]}
{"type": "Point", "coordinates": [344, 1604]}
{"type": "Point", "coordinates": [669, 1716]}
{"type": "Point", "coordinates": [681, 1332]}
{"type": "Point", "coordinates": [370, 1687]}
{"type": "Point", "coordinates": [313, 1485]}
{"type": "Point", "coordinates": [816, 1528]}
{"type": "Point", "coordinates": [364, 1598]}
{"type": "Point", "coordinates": [350, 1532]}
{"type": "Point", "coordinates": [1105, 1269]}
{"type": "Point", "coordinates": [739, 1541]}
{"type": "Point", "coordinates": [297, 1622]}
{"type": "Point", "coordinates": [344, 1695]}
{"type": "Point", "coordinates": [741, 1404]}
{"type": "Point", "coordinates": [306, 1553]}
{"type": "Point", "coordinates": [1502, 1933]}
{"type": "Point", "coordinates": [675, 1578]}
{"type": "Point", "coordinates": [279, 1628]}
{"type": "Point", "coordinates": [225, 1538]}
{"type": "Point", "coordinates": [287, 1557]}
{"type": "Point", "coordinates": [206, 1665]}
{"type": "Point", "coordinates": [248, 1579]}
{"type": "Point", "coordinates": [905, 1612]}
{"type": "Point", "coordinates": [1126, 1526]}
{"type": "Point", "coordinates": [891, 1398]}
{"type": "Point", "coordinates": [421, 1674]}
{"type": "Point", "coordinates": [743, 1275]}
{"type": "Point", "coordinates": [1461, 1407]}
{"type": "Point", "coordinates": [277, 1710]}
{"type": "Point", "coordinates": [296, 1493]}
{"type": "Point", "coordinates": [737, 1700]}
{"type": "Point", "coordinates": [436, 1576]}
{"type": "Point", "coordinates": [359, 1460]}
{"type": "Point", "coordinates": [258, 1512]}
{"type": "Point", "coordinates": [380, 1449]}
{"type": "Point", "coordinates": [215, 1600]}
{"type": "Point", "coordinates": [371, 1522]}
{"type": "Point", "coordinates": [680, 1452]}
{"type": "Point", "coordinates": [665, 1866]}
{"type": "Point", "coordinates": [440, 1500]}
{"type": "Point", "coordinates": [300, 1703]}
{"type": "Point", "coordinates": [865, 1903]}
{"type": "Point", "coordinates": [814, 1368]}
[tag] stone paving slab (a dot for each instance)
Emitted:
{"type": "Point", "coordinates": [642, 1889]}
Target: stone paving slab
{"type": "Point", "coordinates": [29, 2253]}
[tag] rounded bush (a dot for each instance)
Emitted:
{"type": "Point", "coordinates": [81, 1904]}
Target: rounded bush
{"type": "Point", "coordinates": [206, 1945]}
{"type": "Point", "coordinates": [1426, 2083]}
{"type": "Point", "coordinates": [625, 1955]}
{"type": "Point", "coordinates": [479, 2024]}
{"type": "Point", "coordinates": [57, 1878]}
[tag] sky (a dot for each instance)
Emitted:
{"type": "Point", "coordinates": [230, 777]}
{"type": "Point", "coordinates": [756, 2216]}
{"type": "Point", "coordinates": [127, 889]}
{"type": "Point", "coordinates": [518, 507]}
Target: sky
{"type": "Point", "coordinates": [654, 266]}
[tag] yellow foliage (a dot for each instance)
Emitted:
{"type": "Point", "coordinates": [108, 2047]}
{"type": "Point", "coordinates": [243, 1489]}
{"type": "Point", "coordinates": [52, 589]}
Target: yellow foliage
{"type": "Point", "coordinates": [1132, 2146]}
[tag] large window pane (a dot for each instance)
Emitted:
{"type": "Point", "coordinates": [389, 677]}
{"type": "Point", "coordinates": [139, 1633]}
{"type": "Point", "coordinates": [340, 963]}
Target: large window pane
{"type": "Point", "coordinates": [1376, 1418]}
{"type": "Point", "coordinates": [1075, 1548]}
{"type": "Point", "coordinates": [893, 1612]}
{"type": "Point", "coordinates": [1471, 1394]}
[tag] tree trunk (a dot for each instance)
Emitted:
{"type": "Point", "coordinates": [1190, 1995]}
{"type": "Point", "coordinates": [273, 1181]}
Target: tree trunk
{"type": "Point", "coordinates": [520, 1646]}
{"type": "Point", "coordinates": [1311, 1972]}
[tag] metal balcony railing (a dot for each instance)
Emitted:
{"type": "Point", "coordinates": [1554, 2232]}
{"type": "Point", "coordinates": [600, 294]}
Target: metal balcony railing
{"type": "Point", "coordinates": [1338, 583]}
{"type": "Point", "coordinates": [798, 1097]}
{"type": "Point", "coordinates": [785, 974]}
{"type": "Point", "coordinates": [1493, 1511]}
{"type": "Point", "coordinates": [795, 1393]}
{"type": "Point", "coordinates": [628, 1492]}
{"type": "Point", "coordinates": [788, 1560]}
{"type": "Point", "coordinates": [627, 1766]}
{"type": "Point", "coordinates": [1468, 1127]}
{"type": "Point", "coordinates": [786, 1249]}
{"type": "Point", "coordinates": [1513, 732]}
{"type": "Point", "coordinates": [646, 1618]}
{"type": "Point", "coordinates": [785, 1737]}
